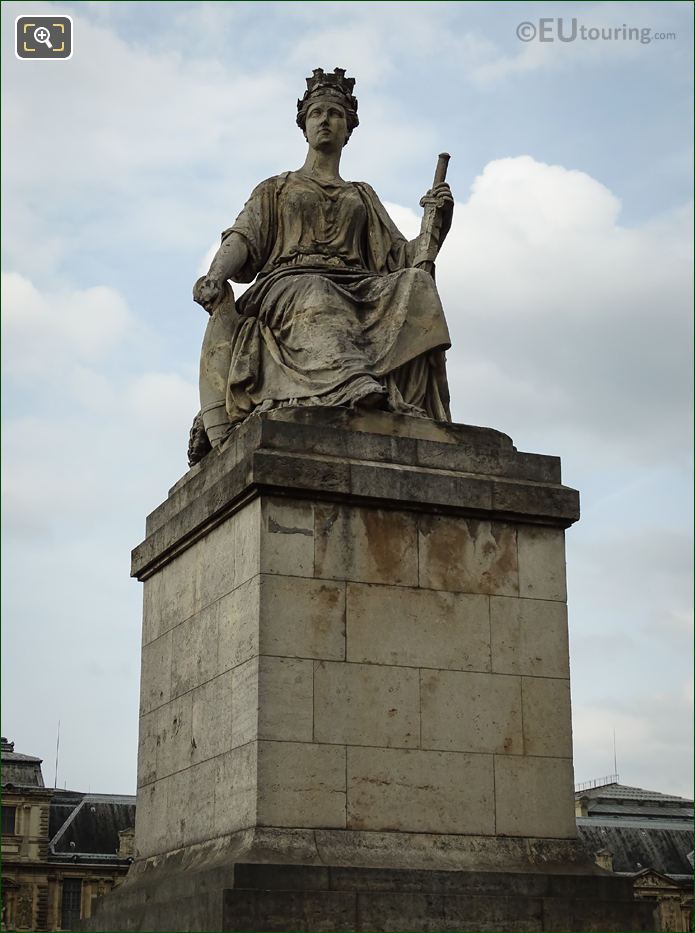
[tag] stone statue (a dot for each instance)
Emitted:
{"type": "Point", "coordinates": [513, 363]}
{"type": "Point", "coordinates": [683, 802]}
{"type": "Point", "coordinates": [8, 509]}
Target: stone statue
{"type": "Point", "coordinates": [343, 310]}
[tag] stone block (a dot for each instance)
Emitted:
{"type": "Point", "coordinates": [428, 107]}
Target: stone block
{"type": "Point", "coordinates": [151, 819]}
{"type": "Point", "coordinates": [211, 718]}
{"type": "Point", "coordinates": [245, 703]}
{"type": "Point", "coordinates": [407, 790]}
{"type": "Point", "coordinates": [327, 911]}
{"type": "Point", "coordinates": [177, 591]}
{"type": "Point", "coordinates": [301, 784]}
{"type": "Point", "coordinates": [470, 712]}
{"type": "Point", "coordinates": [191, 805]}
{"type": "Point", "coordinates": [529, 636]}
{"type": "Point", "coordinates": [302, 617]}
{"type": "Point", "coordinates": [237, 618]}
{"type": "Point", "coordinates": [366, 704]}
{"type": "Point", "coordinates": [391, 482]}
{"type": "Point", "coordinates": [247, 542]}
{"type": "Point", "coordinates": [550, 500]}
{"type": "Point", "coordinates": [272, 699]}
{"type": "Point", "coordinates": [417, 627]}
{"type": "Point", "coordinates": [306, 473]}
{"type": "Point", "coordinates": [287, 545]}
{"type": "Point", "coordinates": [369, 545]}
{"type": "Point", "coordinates": [151, 609]}
{"type": "Point", "coordinates": [285, 699]}
{"type": "Point", "coordinates": [430, 912]}
{"type": "Point", "coordinates": [235, 781]}
{"type": "Point", "coordinates": [542, 563]}
{"type": "Point", "coordinates": [547, 717]}
{"type": "Point", "coordinates": [194, 650]}
{"type": "Point", "coordinates": [468, 555]}
{"type": "Point", "coordinates": [216, 575]}
{"type": "Point", "coordinates": [534, 797]}
{"type": "Point", "coordinates": [155, 674]}
{"type": "Point", "coordinates": [174, 735]}
{"type": "Point", "coordinates": [147, 748]}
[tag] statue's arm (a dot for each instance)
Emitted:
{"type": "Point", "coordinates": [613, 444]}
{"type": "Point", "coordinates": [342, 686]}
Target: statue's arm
{"type": "Point", "coordinates": [229, 260]}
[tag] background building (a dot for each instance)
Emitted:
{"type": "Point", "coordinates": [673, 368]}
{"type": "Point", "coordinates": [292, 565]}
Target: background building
{"type": "Point", "coordinates": [61, 849]}
{"type": "Point", "coordinates": [647, 835]}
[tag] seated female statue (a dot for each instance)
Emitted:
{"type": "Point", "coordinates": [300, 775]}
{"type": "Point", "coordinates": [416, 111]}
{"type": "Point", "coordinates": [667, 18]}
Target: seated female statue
{"type": "Point", "coordinates": [343, 310]}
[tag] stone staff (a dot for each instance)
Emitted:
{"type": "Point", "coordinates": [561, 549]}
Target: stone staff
{"type": "Point", "coordinates": [430, 229]}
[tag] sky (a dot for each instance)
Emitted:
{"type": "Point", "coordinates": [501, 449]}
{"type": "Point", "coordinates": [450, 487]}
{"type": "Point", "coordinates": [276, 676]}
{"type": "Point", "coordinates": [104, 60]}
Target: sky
{"type": "Point", "coordinates": [566, 281]}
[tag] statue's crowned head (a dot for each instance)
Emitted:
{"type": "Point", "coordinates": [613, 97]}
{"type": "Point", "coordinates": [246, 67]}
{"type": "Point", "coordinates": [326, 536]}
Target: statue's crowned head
{"type": "Point", "coordinates": [335, 87]}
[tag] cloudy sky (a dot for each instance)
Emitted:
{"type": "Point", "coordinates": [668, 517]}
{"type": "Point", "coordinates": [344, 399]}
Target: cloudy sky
{"type": "Point", "coordinates": [566, 280]}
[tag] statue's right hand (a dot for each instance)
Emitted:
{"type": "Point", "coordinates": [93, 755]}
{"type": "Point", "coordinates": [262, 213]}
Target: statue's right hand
{"type": "Point", "coordinates": [207, 292]}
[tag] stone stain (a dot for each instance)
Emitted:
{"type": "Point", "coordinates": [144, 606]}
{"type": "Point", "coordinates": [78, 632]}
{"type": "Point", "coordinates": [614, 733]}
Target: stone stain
{"type": "Point", "coordinates": [275, 528]}
{"type": "Point", "coordinates": [385, 541]}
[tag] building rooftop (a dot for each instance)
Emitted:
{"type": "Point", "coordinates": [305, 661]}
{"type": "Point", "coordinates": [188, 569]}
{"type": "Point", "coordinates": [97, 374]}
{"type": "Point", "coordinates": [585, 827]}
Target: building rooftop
{"type": "Point", "coordinates": [641, 828]}
{"type": "Point", "coordinates": [91, 826]}
{"type": "Point", "coordinates": [17, 769]}
{"type": "Point", "coordinates": [625, 792]}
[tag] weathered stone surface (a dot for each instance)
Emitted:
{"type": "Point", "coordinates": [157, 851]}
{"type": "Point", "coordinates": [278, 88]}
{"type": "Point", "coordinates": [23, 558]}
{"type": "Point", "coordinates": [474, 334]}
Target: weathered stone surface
{"type": "Point", "coordinates": [285, 699]}
{"type": "Point", "coordinates": [155, 674]}
{"type": "Point", "coordinates": [301, 784]}
{"type": "Point", "coordinates": [174, 735]}
{"type": "Point", "coordinates": [247, 528]}
{"type": "Point", "coordinates": [236, 782]}
{"type": "Point", "coordinates": [287, 544]}
{"type": "Point", "coordinates": [529, 636]}
{"type": "Point", "coordinates": [194, 650]}
{"type": "Point", "coordinates": [417, 628]}
{"type": "Point", "coordinates": [191, 805]}
{"type": "Point", "coordinates": [150, 819]}
{"type": "Point", "coordinates": [237, 620]}
{"type": "Point", "coordinates": [147, 748]}
{"type": "Point", "coordinates": [211, 718]}
{"type": "Point", "coordinates": [419, 791]}
{"type": "Point", "coordinates": [282, 897]}
{"type": "Point", "coordinates": [468, 556]}
{"type": "Point", "coordinates": [542, 563]}
{"type": "Point", "coordinates": [370, 545]}
{"type": "Point", "coordinates": [545, 787]}
{"type": "Point", "coordinates": [245, 702]}
{"type": "Point", "coordinates": [217, 560]}
{"type": "Point", "coordinates": [171, 596]}
{"type": "Point", "coordinates": [302, 617]}
{"type": "Point", "coordinates": [366, 704]}
{"type": "Point", "coordinates": [366, 664]}
{"type": "Point", "coordinates": [471, 712]}
{"type": "Point", "coordinates": [435, 473]}
{"type": "Point", "coordinates": [547, 717]}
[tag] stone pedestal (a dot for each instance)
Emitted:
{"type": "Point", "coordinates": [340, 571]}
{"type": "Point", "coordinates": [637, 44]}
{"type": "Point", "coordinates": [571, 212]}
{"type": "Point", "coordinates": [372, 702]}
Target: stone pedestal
{"type": "Point", "coordinates": [355, 656]}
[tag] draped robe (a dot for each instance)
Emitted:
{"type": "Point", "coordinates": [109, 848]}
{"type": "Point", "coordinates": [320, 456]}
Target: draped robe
{"type": "Point", "coordinates": [335, 313]}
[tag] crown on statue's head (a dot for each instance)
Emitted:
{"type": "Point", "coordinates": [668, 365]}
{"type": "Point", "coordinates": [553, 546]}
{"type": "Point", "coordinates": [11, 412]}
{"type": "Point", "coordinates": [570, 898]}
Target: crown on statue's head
{"type": "Point", "coordinates": [334, 85]}
{"type": "Point", "coordinates": [320, 79]}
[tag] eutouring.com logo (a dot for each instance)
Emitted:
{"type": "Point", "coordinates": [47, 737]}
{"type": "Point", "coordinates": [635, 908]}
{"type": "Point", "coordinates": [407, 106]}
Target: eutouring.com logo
{"type": "Point", "coordinates": [559, 29]}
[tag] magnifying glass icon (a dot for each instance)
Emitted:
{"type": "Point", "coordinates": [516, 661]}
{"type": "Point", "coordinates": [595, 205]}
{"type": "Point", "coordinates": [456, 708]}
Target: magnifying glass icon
{"type": "Point", "coordinates": [43, 35]}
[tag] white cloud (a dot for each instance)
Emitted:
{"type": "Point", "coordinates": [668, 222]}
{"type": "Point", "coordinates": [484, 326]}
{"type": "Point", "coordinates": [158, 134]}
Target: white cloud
{"type": "Point", "coordinates": [163, 403]}
{"type": "Point", "coordinates": [45, 330]}
{"type": "Point", "coordinates": [561, 316]}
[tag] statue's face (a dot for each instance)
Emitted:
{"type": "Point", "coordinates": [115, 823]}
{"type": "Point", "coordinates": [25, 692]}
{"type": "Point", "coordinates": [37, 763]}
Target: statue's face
{"type": "Point", "coordinates": [326, 125]}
